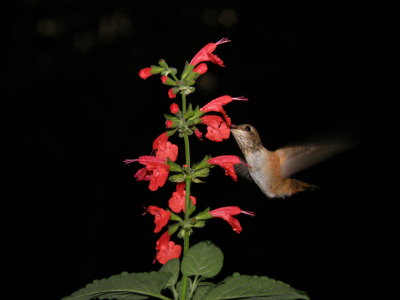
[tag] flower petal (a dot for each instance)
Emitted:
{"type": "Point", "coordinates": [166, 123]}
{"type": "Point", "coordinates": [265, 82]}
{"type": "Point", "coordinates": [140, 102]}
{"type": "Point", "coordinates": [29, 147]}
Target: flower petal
{"type": "Point", "coordinates": [227, 162]}
{"type": "Point", "coordinates": [166, 249]}
{"type": "Point", "coordinates": [217, 129]}
{"type": "Point", "coordinates": [161, 217]}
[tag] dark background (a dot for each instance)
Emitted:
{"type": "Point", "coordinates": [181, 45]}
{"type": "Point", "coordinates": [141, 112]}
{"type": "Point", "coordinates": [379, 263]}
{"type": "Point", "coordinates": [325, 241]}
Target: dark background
{"type": "Point", "coordinates": [75, 109]}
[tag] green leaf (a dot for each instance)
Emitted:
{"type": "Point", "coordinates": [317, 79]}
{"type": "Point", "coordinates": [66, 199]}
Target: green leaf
{"type": "Point", "coordinates": [204, 259]}
{"type": "Point", "coordinates": [202, 290]}
{"type": "Point", "coordinates": [254, 287]}
{"type": "Point", "coordinates": [172, 268]}
{"type": "Point", "coordinates": [133, 286]}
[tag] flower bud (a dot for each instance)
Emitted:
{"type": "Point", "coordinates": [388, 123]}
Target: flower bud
{"type": "Point", "coordinates": [201, 68]}
{"type": "Point", "coordinates": [163, 63]}
{"type": "Point", "coordinates": [177, 178]}
{"type": "Point", "coordinates": [174, 108]}
{"type": "Point", "coordinates": [172, 92]}
{"type": "Point", "coordinates": [188, 70]}
{"type": "Point", "coordinates": [147, 72]}
{"type": "Point", "coordinates": [167, 81]}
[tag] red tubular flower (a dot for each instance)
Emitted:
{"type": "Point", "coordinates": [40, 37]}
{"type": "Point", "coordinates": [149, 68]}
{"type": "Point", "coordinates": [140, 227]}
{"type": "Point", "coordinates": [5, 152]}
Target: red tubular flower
{"type": "Point", "coordinates": [217, 129]}
{"type": "Point", "coordinates": [226, 214]}
{"type": "Point", "coordinates": [177, 202]}
{"type": "Point", "coordinates": [161, 217]}
{"type": "Point", "coordinates": [166, 249]}
{"type": "Point", "coordinates": [227, 162]}
{"type": "Point", "coordinates": [206, 54]}
{"type": "Point", "coordinates": [156, 169]}
{"type": "Point", "coordinates": [216, 106]}
{"type": "Point", "coordinates": [164, 148]}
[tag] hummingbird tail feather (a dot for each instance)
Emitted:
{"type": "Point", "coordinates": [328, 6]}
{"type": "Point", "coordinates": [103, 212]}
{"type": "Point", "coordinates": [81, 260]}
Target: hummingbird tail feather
{"type": "Point", "coordinates": [301, 186]}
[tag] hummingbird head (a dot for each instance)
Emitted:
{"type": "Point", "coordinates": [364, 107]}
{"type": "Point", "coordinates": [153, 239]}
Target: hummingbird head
{"type": "Point", "coordinates": [247, 138]}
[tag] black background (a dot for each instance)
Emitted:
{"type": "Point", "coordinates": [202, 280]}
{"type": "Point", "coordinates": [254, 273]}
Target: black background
{"type": "Point", "coordinates": [75, 108]}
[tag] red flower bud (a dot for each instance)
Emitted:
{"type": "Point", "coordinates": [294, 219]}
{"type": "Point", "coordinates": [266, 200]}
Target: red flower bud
{"type": "Point", "coordinates": [167, 81]}
{"type": "Point", "coordinates": [174, 108]}
{"type": "Point", "coordinates": [171, 93]}
{"type": "Point", "coordinates": [145, 73]}
{"type": "Point", "coordinates": [201, 68]}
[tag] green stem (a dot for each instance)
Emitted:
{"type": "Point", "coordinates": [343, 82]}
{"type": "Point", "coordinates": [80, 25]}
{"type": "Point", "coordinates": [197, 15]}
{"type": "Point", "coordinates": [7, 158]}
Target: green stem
{"type": "Point", "coordinates": [188, 181]}
{"type": "Point", "coordinates": [174, 76]}
{"type": "Point", "coordinates": [184, 111]}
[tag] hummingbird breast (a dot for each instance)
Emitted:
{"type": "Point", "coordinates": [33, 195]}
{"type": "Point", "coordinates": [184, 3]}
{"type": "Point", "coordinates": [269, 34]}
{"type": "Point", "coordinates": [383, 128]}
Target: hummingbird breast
{"type": "Point", "coordinates": [265, 171]}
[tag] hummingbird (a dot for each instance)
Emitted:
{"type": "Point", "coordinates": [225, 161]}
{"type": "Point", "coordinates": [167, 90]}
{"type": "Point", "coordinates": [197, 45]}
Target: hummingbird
{"type": "Point", "coordinates": [270, 170]}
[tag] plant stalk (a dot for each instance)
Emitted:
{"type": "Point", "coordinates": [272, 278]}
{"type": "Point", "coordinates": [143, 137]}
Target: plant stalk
{"type": "Point", "coordinates": [188, 181]}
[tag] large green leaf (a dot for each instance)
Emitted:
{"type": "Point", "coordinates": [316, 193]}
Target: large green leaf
{"type": "Point", "coordinates": [133, 286]}
{"type": "Point", "coordinates": [253, 287]}
{"type": "Point", "coordinates": [204, 259]}
{"type": "Point", "coordinates": [202, 290]}
{"type": "Point", "coordinates": [171, 267]}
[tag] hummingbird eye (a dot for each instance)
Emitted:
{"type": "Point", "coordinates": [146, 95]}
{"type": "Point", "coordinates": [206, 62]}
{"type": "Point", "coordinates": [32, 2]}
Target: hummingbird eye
{"type": "Point", "coordinates": [247, 128]}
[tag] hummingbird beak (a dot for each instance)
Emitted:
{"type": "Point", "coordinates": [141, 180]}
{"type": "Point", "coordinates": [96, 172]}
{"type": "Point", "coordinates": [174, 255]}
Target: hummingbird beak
{"type": "Point", "coordinates": [232, 126]}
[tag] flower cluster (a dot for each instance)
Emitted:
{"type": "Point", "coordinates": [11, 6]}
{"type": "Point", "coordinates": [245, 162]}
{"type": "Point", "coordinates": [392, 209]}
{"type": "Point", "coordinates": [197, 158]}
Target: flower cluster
{"type": "Point", "coordinates": [184, 120]}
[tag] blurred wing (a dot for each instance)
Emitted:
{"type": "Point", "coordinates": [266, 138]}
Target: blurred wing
{"type": "Point", "coordinates": [243, 170]}
{"type": "Point", "coordinates": [296, 158]}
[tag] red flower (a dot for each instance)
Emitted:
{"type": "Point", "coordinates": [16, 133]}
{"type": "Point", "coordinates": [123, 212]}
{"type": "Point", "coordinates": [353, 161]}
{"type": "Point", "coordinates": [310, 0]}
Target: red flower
{"type": "Point", "coordinates": [164, 148]}
{"type": "Point", "coordinates": [227, 212]}
{"type": "Point", "coordinates": [166, 249]}
{"type": "Point", "coordinates": [217, 129]}
{"type": "Point", "coordinates": [227, 162]}
{"type": "Point", "coordinates": [161, 139]}
{"type": "Point", "coordinates": [161, 217]}
{"type": "Point", "coordinates": [205, 54]}
{"type": "Point", "coordinates": [216, 106]}
{"type": "Point", "coordinates": [156, 169]}
{"type": "Point", "coordinates": [177, 202]}
{"type": "Point", "coordinates": [145, 73]}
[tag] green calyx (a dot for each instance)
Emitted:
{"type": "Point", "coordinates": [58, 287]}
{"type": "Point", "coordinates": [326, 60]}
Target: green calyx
{"type": "Point", "coordinates": [185, 123]}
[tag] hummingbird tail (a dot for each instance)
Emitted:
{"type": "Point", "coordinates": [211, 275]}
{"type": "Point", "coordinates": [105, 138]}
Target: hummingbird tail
{"type": "Point", "coordinates": [300, 186]}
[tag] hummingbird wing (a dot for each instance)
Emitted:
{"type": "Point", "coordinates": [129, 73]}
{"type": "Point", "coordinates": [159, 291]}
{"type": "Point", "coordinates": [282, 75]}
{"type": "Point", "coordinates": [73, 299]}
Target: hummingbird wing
{"type": "Point", "coordinates": [243, 170]}
{"type": "Point", "coordinates": [296, 158]}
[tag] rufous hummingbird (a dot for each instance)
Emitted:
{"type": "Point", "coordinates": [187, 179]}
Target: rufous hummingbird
{"type": "Point", "coordinates": [270, 170]}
